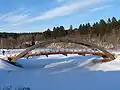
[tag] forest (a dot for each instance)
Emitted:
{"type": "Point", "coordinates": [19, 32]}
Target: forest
{"type": "Point", "coordinates": [105, 33]}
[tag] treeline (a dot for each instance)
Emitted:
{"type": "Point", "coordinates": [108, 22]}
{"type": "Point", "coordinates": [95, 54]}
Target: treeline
{"type": "Point", "coordinates": [102, 32]}
{"type": "Point", "coordinates": [97, 29]}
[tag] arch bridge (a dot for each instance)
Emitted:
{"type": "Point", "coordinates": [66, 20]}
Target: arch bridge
{"type": "Point", "coordinates": [95, 50]}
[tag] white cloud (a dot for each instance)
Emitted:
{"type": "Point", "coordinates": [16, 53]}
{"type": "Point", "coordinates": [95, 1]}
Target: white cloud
{"type": "Point", "coordinates": [18, 17]}
{"type": "Point", "coordinates": [15, 19]}
{"type": "Point", "coordinates": [64, 10]}
{"type": "Point", "coordinates": [100, 8]}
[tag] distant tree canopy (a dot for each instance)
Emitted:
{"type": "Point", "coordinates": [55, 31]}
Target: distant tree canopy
{"type": "Point", "coordinates": [98, 29]}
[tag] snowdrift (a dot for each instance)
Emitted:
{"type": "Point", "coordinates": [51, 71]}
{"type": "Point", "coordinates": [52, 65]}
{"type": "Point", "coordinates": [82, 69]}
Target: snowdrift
{"type": "Point", "coordinates": [59, 72]}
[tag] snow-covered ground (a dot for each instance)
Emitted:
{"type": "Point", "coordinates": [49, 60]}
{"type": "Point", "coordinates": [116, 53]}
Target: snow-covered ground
{"type": "Point", "coordinates": [59, 72]}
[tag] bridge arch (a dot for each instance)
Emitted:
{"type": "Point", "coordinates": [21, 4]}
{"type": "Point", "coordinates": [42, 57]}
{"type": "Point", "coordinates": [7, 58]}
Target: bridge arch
{"type": "Point", "coordinates": [84, 43]}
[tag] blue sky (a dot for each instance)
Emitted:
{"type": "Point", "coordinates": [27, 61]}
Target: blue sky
{"type": "Point", "coordinates": [38, 15]}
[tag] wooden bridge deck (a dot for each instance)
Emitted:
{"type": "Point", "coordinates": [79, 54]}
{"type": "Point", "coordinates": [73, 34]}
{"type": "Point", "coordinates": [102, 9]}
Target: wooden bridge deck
{"type": "Point", "coordinates": [105, 59]}
{"type": "Point", "coordinates": [64, 53]}
{"type": "Point", "coordinates": [107, 56]}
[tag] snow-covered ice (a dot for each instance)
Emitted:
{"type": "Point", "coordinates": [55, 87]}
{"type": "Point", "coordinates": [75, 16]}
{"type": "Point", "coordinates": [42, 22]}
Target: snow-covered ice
{"type": "Point", "coordinates": [59, 72]}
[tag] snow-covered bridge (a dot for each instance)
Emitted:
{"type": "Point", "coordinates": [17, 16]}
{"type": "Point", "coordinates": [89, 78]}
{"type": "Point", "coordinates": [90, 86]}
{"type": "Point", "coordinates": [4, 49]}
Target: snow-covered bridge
{"type": "Point", "coordinates": [93, 49]}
